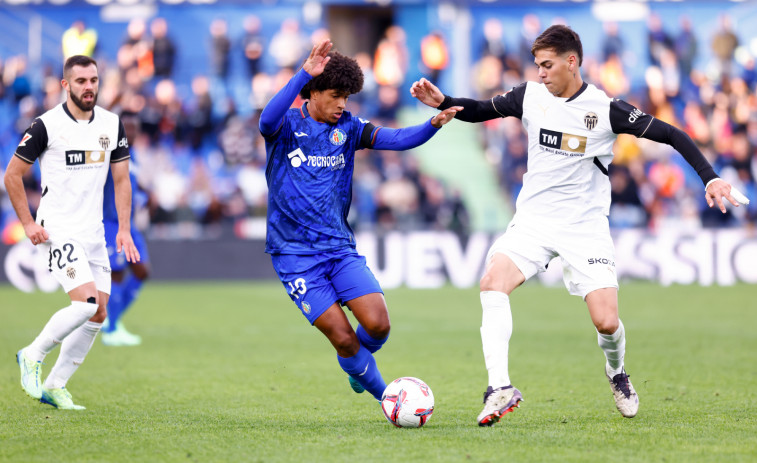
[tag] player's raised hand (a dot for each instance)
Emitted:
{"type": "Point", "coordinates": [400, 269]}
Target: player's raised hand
{"type": "Point", "coordinates": [125, 242]}
{"type": "Point", "coordinates": [427, 93]}
{"type": "Point", "coordinates": [316, 62]}
{"type": "Point", "coordinates": [445, 116]}
{"type": "Point", "coordinates": [719, 189]}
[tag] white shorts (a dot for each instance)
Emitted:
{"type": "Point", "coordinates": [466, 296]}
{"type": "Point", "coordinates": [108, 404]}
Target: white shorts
{"type": "Point", "coordinates": [586, 251]}
{"type": "Point", "coordinates": [74, 263]}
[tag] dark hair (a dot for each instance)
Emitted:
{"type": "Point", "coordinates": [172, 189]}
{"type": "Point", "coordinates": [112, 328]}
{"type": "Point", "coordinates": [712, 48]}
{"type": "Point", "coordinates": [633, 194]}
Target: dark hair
{"type": "Point", "coordinates": [77, 60]}
{"type": "Point", "coordinates": [342, 74]}
{"type": "Point", "coordinates": [561, 40]}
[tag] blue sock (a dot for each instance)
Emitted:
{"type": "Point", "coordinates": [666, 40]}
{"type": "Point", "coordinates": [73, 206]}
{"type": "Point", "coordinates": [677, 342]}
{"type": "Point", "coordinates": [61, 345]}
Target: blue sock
{"type": "Point", "coordinates": [362, 367]}
{"type": "Point", "coordinates": [369, 342]}
{"type": "Point", "coordinates": [115, 306]}
{"type": "Point", "coordinates": [132, 285]}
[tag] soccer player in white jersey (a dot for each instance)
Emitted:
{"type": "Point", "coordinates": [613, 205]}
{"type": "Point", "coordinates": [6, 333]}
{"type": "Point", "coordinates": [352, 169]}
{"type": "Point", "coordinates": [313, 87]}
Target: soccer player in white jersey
{"type": "Point", "coordinates": [563, 206]}
{"type": "Point", "coordinates": [76, 143]}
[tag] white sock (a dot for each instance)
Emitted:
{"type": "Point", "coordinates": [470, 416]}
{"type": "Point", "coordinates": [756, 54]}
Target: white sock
{"type": "Point", "coordinates": [60, 325]}
{"type": "Point", "coordinates": [614, 347]}
{"type": "Point", "coordinates": [496, 329]}
{"type": "Point", "coordinates": [72, 352]}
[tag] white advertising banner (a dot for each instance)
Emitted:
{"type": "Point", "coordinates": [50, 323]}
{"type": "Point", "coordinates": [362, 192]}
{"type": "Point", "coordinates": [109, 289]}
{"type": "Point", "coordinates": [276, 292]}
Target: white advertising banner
{"type": "Point", "coordinates": [430, 259]}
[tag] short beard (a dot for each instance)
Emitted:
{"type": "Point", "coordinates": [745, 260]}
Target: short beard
{"type": "Point", "coordinates": [86, 107]}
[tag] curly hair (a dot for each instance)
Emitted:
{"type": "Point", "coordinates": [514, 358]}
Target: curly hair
{"type": "Point", "coordinates": [342, 74]}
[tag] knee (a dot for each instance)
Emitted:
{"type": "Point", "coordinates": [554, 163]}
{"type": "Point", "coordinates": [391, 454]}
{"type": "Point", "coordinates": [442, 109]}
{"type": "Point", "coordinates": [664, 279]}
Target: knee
{"type": "Point", "coordinates": [489, 283]}
{"type": "Point", "coordinates": [486, 283]}
{"type": "Point", "coordinates": [607, 325]}
{"type": "Point", "coordinates": [379, 329]}
{"type": "Point", "coordinates": [345, 343]}
{"type": "Point", "coordinates": [100, 315]}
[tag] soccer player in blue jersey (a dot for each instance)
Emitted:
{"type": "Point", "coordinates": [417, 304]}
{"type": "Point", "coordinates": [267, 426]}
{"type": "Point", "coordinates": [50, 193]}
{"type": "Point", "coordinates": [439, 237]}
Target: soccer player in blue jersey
{"type": "Point", "coordinates": [310, 160]}
{"type": "Point", "coordinates": [124, 287]}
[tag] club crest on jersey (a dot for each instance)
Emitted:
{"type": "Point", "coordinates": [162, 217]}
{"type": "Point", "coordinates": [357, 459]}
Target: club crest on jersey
{"type": "Point", "coordinates": [590, 120]}
{"type": "Point", "coordinates": [305, 307]}
{"type": "Point", "coordinates": [71, 272]}
{"type": "Point", "coordinates": [337, 137]}
{"type": "Point", "coordinates": [104, 141]}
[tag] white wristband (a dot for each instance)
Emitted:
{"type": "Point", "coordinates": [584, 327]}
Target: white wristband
{"type": "Point", "coordinates": [739, 196]}
{"type": "Point", "coordinates": [708, 183]}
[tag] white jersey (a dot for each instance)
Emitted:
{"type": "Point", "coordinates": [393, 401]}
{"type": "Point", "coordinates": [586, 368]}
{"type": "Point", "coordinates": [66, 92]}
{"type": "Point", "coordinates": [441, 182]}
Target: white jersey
{"type": "Point", "coordinates": [569, 146]}
{"type": "Point", "coordinates": [565, 140]}
{"type": "Point", "coordinates": [74, 158]}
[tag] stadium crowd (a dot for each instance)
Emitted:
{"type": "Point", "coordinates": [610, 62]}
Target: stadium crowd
{"type": "Point", "coordinates": [202, 160]}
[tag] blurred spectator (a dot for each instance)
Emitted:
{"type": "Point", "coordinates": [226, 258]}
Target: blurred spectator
{"type": "Point", "coordinates": [612, 43]}
{"type": "Point", "coordinates": [487, 76]}
{"type": "Point", "coordinates": [434, 55]}
{"type": "Point", "coordinates": [671, 75]}
{"type": "Point", "coordinates": [388, 103]}
{"type": "Point", "coordinates": [724, 43]}
{"type": "Point", "coordinates": [626, 210]}
{"type": "Point", "coordinates": [136, 51]}
{"type": "Point", "coordinates": [612, 77]}
{"type": "Point", "coordinates": [367, 99]}
{"type": "Point", "coordinates": [199, 110]}
{"type": "Point", "coordinates": [657, 39]}
{"type": "Point", "coordinates": [390, 59]}
{"type": "Point", "coordinates": [686, 48]}
{"type": "Point", "coordinates": [530, 29]}
{"type": "Point", "coordinates": [163, 48]}
{"type": "Point", "coordinates": [288, 45]}
{"type": "Point", "coordinates": [220, 46]}
{"type": "Point", "coordinates": [253, 44]}
{"type": "Point", "coordinates": [78, 40]}
{"type": "Point", "coordinates": [237, 142]}
{"type": "Point", "coordinates": [15, 79]}
{"type": "Point", "coordinates": [493, 42]}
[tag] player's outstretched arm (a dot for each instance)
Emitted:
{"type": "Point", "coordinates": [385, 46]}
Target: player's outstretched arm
{"type": "Point", "coordinates": [272, 115]}
{"type": "Point", "coordinates": [717, 189]}
{"type": "Point", "coordinates": [646, 126]}
{"type": "Point", "coordinates": [409, 137]}
{"type": "Point", "coordinates": [445, 116]}
{"type": "Point", "coordinates": [471, 110]}
{"type": "Point", "coordinates": [14, 184]}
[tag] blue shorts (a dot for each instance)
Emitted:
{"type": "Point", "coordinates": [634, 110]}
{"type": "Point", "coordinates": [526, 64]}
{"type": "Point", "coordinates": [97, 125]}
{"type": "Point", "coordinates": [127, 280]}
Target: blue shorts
{"type": "Point", "coordinates": [118, 261]}
{"type": "Point", "coordinates": [316, 282]}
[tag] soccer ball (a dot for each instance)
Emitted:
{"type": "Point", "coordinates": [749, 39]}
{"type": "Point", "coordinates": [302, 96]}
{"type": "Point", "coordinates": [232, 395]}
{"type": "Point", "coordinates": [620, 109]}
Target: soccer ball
{"type": "Point", "coordinates": [407, 402]}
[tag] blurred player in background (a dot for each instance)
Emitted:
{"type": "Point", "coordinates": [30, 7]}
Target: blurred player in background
{"type": "Point", "coordinates": [563, 206]}
{"type": "Point", "coordinates": [123, 292]}
{"type": "Point", "coordinates": [310, 153]}
{"type": "Point", "coordinates": [77, 144]}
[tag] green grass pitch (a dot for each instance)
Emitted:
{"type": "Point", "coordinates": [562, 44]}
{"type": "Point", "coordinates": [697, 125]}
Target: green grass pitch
{"type": "Point", "coordinates": [232, 372]}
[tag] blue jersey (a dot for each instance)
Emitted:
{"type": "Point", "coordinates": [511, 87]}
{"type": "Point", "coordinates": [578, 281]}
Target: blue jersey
{"type": "Point", "coordinates": [309, 174]}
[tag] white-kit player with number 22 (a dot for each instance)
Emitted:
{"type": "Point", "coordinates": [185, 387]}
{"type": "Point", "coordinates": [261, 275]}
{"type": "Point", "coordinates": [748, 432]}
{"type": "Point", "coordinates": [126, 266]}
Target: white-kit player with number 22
{"type": "Point", "coordinates": [76, 143]}
{"type": "Point", "coordinates": [563, 206]}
